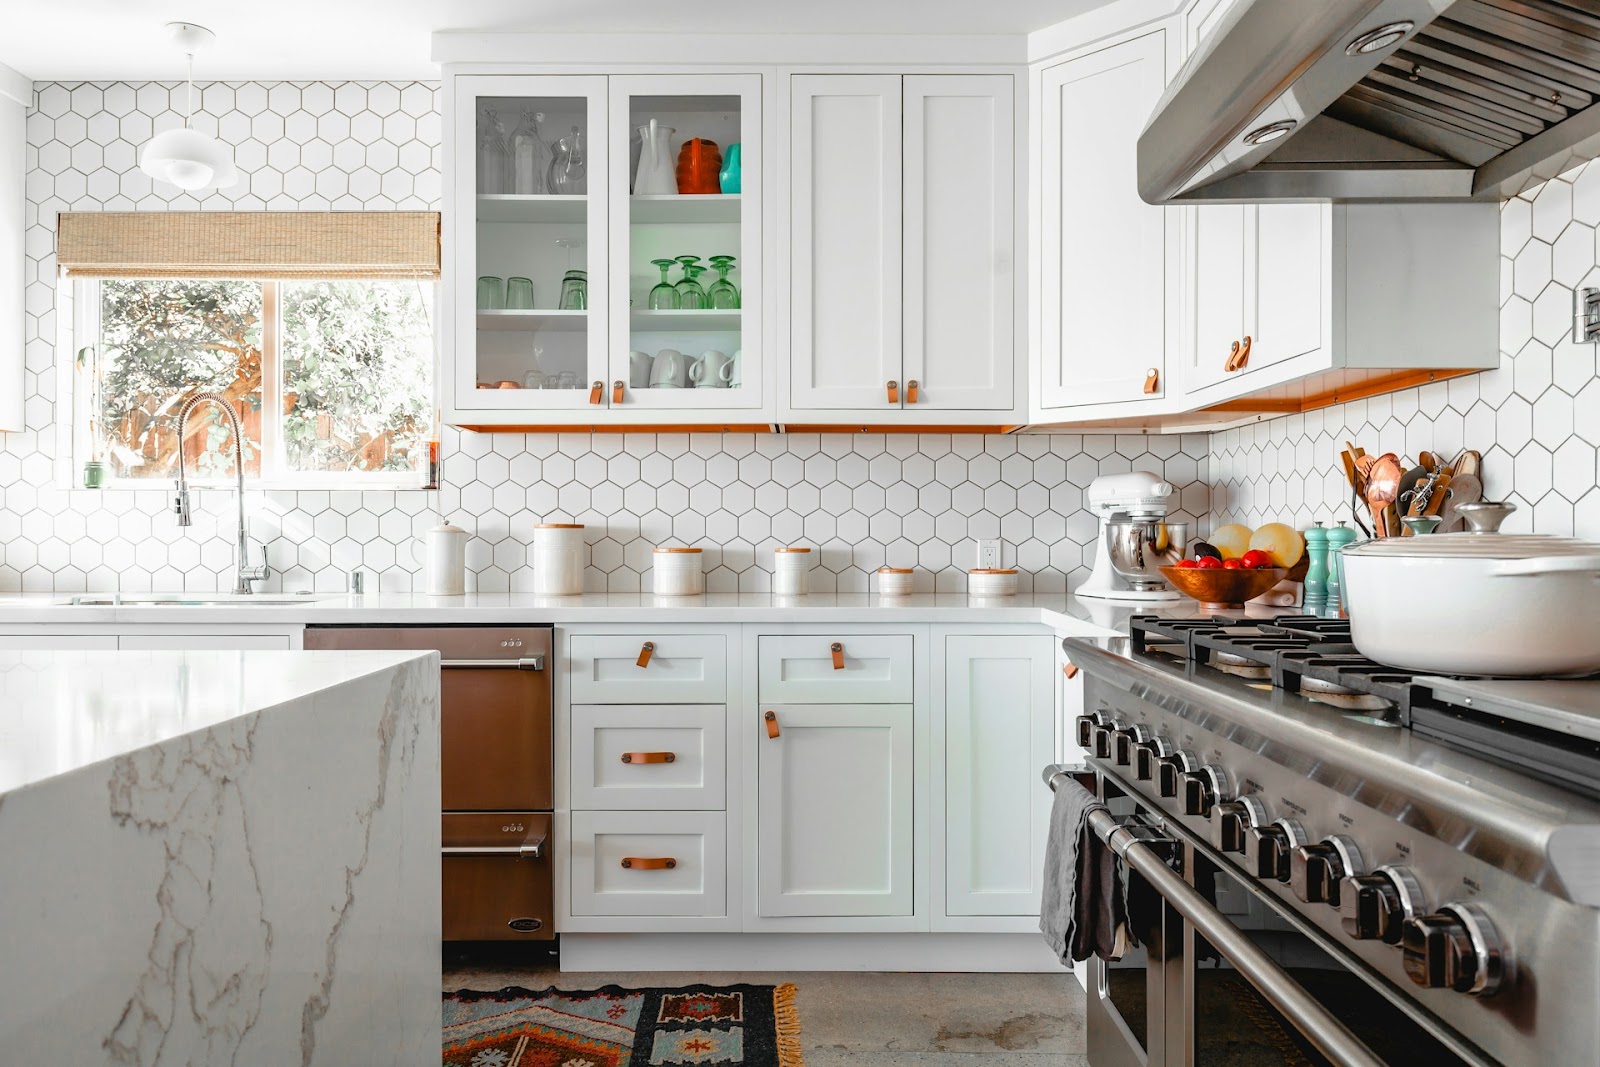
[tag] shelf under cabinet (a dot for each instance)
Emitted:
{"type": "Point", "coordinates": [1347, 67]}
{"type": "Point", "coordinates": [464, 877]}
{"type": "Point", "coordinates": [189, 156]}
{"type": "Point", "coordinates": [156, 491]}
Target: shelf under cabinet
{"type": "Point", "coordinates": [531, 207]}
{"type": "Point", "coordinates": [691, 207]}
{"type": "Point", "coordinates": [692, 321]}
{"type": "Point", "coordinates": [537, 319]}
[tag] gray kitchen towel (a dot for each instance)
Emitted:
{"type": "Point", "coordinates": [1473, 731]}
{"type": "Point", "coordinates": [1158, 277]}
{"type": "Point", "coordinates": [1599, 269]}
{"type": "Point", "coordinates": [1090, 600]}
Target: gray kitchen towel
{"type": "Point", "coordinates": [1078, 914]}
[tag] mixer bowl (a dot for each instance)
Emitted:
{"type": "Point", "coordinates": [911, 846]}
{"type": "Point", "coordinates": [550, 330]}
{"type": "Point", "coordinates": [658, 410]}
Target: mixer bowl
{"type": "Point", "coordinates": [1138, 549]}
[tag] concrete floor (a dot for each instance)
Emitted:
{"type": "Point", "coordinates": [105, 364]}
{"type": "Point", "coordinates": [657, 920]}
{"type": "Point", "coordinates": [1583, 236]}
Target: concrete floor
{"type": "Point", "coordinates": [873, 1020]}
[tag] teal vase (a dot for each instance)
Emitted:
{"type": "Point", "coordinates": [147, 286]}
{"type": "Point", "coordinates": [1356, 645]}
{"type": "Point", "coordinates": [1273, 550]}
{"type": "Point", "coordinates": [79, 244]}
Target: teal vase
{"type": "Point", "coordinates": [729, 175]}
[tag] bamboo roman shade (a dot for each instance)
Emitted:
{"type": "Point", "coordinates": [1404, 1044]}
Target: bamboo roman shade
{"type": "Point", "coordinates": [249, 244]}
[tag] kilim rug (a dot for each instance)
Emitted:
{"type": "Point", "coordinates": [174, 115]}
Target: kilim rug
{"type": "Point", "coordinates": [736, 1025]}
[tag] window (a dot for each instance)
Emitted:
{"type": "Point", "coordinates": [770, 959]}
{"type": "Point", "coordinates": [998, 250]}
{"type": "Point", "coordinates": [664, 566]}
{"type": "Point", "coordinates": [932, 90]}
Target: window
{"type": "Point", "coordinates": [328, 361]}
{"type": "Point", "coordinates": [346, 365]}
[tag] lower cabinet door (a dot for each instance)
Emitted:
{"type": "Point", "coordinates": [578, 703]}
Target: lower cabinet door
{"type": "Point", "coordinates": [999, 729]}
{"type": "Point", "coordinates": [649, 863]}
{"type": "Point", "coordinates": [834, 810]}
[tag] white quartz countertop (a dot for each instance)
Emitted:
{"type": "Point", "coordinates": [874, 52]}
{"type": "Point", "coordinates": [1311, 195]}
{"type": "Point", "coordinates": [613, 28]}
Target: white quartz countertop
{"type": "Point", "coordinates": [1067, 614]}
{"type": "Point", "coordinates": [64, 711]}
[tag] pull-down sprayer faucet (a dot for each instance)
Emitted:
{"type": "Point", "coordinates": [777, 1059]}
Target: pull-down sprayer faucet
{"type": "Point", "coordinates": [244, 573]}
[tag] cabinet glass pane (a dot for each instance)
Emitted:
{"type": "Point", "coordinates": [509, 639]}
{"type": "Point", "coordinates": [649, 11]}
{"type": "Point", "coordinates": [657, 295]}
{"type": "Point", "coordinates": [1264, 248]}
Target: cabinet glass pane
{"type": "Point", "coordinates": [533, 205]}
{"type": "Point", "coordinates": [685, 245]}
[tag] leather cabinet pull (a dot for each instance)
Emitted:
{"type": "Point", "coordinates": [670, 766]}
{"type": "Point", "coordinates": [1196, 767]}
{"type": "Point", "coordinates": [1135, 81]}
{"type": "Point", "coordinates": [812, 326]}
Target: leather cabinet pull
{"type": "Point", "coordinates": [1070, 670]}
{"type": "Point", "coordinates": [771, 718]}
{"type": "Point", "coordinates": [616, 391]}
{"type": "Point", "coordinates": [838, 655]}
{"type": "Point", "coordinates": [1229, 365]}
{"type": "Point", "coordinates": [911, 391]}
{"type": "Point", "coordinates": [595, 390]}
{"type": "Point", "coordinates": [1243, 360]}
{"type": "Point", "coordinates": [649, 757]}
{"type": "Point", "coordinates": [645, 651]}
{"type": "Point", "coordinates": [1152, 381]}
{"type": "Point", "coordinates": [894, 392]}
{"type": "Point", "coordinates": [649, 863]}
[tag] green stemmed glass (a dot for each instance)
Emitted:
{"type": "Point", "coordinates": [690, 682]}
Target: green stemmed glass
{"type": "Point", "coordinates": [689, 289]}
{"type": "Point", "coordinates": [722, 293]}
{"type": "Point", "coordinates": [664, 297]}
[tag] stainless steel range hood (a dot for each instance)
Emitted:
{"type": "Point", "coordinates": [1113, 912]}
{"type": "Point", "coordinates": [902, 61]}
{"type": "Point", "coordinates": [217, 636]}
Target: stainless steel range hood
{"type": "Point", "coordinates": [1378, 100]}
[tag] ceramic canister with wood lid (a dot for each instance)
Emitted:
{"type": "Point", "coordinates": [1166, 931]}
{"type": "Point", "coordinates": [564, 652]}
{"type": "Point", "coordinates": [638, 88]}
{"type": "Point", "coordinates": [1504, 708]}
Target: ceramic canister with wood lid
{"type": "Point", "coordinates": [896, 581]}
{"type": "Point", "coordinates": [558, 559]}
{"type": "Point", "coordinates": [791, 570]}
{"type": "Point", "coordinates": [677, 571]}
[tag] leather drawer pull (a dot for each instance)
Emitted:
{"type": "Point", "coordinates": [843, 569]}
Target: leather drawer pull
{"type": "Point", "coordinates": [1070, 670]}
{"type": "Point", "coordinates": [771, 718]}
{"type": "Point", "coordinates": [1152, 381]}
{"type": "Point", "coordinates": [838, 655]}
{"type": "Point", "coordinates": [649, 863]}
{"type": "Point", "coordinates": [644, 653]}
{"type": "Point", "coordinates": [894, 391]}
{"type": "Point", "coordinates": [616, 391]}
{"type": "Point", "coordinates": [911, 391]}
{"type": "Point", "coordinates": [649, 757]}
{"type": "Point", "coordinates": [595, 390]}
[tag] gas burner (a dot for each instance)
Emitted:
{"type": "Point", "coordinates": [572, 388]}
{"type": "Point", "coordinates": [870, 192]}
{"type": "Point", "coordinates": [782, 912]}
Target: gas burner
{"type": "Point", "coordinates": [1240, 666]}
{"type": "Point", "coordinates": [1345, 699]}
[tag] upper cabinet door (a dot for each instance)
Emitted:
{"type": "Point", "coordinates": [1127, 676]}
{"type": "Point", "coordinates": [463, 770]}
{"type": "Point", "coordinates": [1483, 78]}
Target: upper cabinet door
{"type": "Point", "coordinates": [1221, 307]}
{"type": "Point", "coordinates": [525, 248]}
{"type": "Point", "coordinates": [1105, 281]}
{"type": "Point", "coordinates": [960, 264]}
{"type": "Point", "coordinates": [845, 247]}
{"type": "Point", "coordinates": [686, 244]}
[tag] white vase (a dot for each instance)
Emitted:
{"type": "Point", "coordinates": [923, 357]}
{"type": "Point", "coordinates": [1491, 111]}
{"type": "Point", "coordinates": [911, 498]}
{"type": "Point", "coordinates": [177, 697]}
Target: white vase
{"type": "Point", "coordinates": [658, 171]}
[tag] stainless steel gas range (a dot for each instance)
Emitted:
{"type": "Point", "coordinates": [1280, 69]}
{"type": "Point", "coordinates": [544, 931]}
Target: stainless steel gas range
{"type": "Point", "coordinates": [1335, 872]}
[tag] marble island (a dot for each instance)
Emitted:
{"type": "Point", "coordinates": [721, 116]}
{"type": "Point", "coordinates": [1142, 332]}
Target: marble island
{"type": "Point", "coordinates": [219, 857]}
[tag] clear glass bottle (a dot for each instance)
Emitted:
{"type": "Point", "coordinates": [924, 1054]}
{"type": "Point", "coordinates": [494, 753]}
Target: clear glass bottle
{"type": "Point", "coordinates": [494, 155]}
{"type": "Point", "coordinates": [530, 156]}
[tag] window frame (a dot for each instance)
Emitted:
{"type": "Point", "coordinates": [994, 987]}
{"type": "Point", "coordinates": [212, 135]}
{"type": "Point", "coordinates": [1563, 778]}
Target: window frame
{"type": "Point", "coordinates": [78, 308]}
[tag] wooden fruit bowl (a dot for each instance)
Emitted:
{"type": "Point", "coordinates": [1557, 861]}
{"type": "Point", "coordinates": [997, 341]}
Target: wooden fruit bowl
{"type": "Point", "coordinates": [1219, 589]}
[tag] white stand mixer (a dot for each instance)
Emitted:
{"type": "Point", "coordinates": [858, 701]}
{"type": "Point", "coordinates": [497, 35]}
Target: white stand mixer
{"type": "Point", "coordinates": [1134, 538]}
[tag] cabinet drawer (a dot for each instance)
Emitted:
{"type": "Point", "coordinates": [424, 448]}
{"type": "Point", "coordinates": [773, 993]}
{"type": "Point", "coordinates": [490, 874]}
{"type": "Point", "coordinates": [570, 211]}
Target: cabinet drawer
{"type": "Point", "coordinates": [876, 669]}
{"type": "Point", "coordinates": [681, 668]}
{"type": "Point", "coordinates": [631, 756]}
{"type": "Point", "coordinates": [649, 863]}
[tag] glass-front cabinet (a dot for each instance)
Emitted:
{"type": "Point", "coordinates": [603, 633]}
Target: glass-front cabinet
{"type": "Point", "coordinates": [603, 253]}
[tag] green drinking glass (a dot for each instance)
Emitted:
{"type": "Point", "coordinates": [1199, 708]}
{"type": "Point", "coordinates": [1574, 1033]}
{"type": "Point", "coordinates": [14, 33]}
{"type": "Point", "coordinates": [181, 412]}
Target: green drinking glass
{"type": "Point", "coordinates": [693, 297]}
{"type": "Point", "coordinates": [665, 297]}
{"type": "Point", "coordinates": [723, 293]}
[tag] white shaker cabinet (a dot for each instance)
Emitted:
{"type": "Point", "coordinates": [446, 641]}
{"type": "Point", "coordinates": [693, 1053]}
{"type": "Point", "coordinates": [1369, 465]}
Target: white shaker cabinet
{"type": "Point", "coordinates": [903, 236]}
{"type": "Point", "coordinates": [834, 810]}
{"type": "Point", "coordinates": [16, 96]}
{"type": "Point", "coordinates": [1108, 271]}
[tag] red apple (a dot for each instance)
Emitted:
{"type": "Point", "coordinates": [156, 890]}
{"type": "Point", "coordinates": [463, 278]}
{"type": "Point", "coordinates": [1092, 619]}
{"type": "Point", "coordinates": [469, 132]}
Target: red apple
{"type": "Point", "coordinates": [1208, 563]}
{"type": "Point", "coordinates": [1233, 564]}
{"type": "Point", "coordinates": [1256, 559]}
{"type": "Point", "coordinates": [1188, 564]}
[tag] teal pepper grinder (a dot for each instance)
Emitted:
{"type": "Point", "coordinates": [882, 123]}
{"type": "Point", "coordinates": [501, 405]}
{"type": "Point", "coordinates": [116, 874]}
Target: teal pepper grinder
{"type": "Point", "coordinates": [1338, 537]}
{"type": "Point", "coordinates": [729, 176]}
{"type": "Point", "coordinates": [1317, 568]}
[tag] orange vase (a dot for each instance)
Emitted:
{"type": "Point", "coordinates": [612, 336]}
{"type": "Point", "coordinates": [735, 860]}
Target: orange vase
{"type": "Point", "coordinates": [699, 162]}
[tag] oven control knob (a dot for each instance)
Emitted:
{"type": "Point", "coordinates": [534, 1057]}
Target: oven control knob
{"type": "Point", "coordinates": [1086, 724]}
{"type": "Point", "coordinates": [1122, 744]}
{"type": "Point", "coordinates": [1315, 871]}
{"type": "Point", "coordinates": [1455, 948]}
{"type": "Point", "coordinates": [1267, 848]}
{"type": "Point", "coordinates": [1201, 789]}
{"type": "Point", "coordinates": [1374, 907]}
{"type": "Point", "coordinates": [1170, 772]}
{"type": "Point", "coordinates": [1101, 738]}
{"type": "Point", "coordinates": [1147, 755]}
{"type": "Point", "coordinates": [1231, 818]}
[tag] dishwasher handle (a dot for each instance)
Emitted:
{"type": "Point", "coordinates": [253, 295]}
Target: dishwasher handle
{"type": "Point", "coordinates": [526, 663]}
{"type": "Point", "coordinates": [531, 848]}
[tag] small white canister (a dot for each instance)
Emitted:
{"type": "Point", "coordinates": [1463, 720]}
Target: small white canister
{"type": "Point", "coordinates": [677, 571]}
{"type": "Point", "coordinates": [896, 581]}
{"type": "Point", "coordinates": [443, 560]}
{"type": "Point", "coordinates": [791, 571]}
{"type": "Point", "coordinates": [992, 581]}
{"type": "Point", "coordinates": [558, 559]}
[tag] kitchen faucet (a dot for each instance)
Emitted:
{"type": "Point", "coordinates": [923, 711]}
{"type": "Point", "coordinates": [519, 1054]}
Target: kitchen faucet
{"type": "Point", "coordinates": [245, 574]}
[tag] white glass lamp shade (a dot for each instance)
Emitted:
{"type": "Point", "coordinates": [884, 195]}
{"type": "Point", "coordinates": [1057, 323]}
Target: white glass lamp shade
{"type": "Point", "coordinates": [188, 159]}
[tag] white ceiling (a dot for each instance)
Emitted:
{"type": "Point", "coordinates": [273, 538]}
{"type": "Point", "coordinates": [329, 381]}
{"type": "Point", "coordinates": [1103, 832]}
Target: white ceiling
{"type": "Point", "coordinates": [69, 40]}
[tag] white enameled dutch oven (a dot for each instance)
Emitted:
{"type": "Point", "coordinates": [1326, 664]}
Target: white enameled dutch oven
{"type": "Point", "coordinates": [1521, 605]}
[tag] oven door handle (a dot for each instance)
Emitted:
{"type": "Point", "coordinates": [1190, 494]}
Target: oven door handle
{"type": "Point", "coordinates": [1330, 1036]}
{"type": "Point", "coordinates": [526, 663]}
{"type": "Point", "coordinates": [532, 848]}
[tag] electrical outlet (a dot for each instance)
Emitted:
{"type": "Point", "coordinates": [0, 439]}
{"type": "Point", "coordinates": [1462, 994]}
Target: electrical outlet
{"type": "Point", "coordinates": [988, 551]}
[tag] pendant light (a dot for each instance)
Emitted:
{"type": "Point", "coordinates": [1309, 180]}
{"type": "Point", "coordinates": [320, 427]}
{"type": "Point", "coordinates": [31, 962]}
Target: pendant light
{"type": "Point", "coordinates": [186, 157]}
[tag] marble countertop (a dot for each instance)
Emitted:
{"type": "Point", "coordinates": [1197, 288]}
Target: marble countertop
{"type": "Point", "coordinates": [64, 711]}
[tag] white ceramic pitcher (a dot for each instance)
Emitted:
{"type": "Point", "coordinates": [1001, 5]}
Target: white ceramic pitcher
{"type": "Point", "coordinates": [657, 174]}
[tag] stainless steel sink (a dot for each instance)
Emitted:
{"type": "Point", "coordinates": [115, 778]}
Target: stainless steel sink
{"type": "Point", "coordinates": [191, 600]}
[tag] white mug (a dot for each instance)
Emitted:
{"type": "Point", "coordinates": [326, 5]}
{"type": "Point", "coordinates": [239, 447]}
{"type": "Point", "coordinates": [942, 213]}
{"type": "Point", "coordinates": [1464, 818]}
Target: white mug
{"type": "Point", "coordinates": [714, 373]}
{"type": "Point", "coordinates": [669, 370]}
{"type": "Point", "coordinates": [639, 370]}
{"type": "Point", "coordinates": [732, 371]}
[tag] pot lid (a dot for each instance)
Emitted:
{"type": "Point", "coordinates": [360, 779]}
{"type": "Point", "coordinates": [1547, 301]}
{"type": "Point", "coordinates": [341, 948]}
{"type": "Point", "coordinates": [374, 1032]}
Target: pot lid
{"type": "Point", "coordinates": [1474, 546]}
